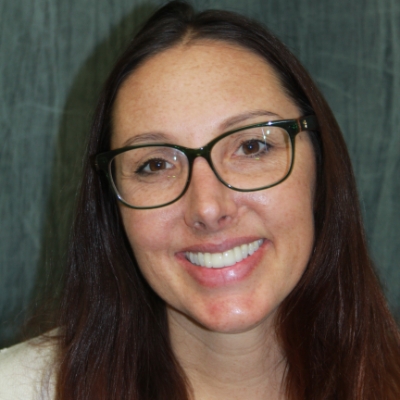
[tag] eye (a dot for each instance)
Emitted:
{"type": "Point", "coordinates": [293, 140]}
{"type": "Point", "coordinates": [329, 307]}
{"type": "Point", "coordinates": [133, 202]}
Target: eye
{"type": "Point", "coordinates": [252, 147]}
{"type": "Point", "coordinates": [154, 165]}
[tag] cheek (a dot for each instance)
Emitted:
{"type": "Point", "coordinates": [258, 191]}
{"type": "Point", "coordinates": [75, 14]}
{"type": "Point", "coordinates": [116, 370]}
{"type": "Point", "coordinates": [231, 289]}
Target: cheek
{"type": "Point", "coordinates": [146, 229]}
{"type": "Point", "coordinates": [150, 234]}
{"type": "Point", "coordinates": [287, 214]}
{"type": "Point", "coordinates": [144, 238]}
{"type": "Point", "coordinates": [153, 237]}
{"type": "Point", "coordinates": [296, 225]}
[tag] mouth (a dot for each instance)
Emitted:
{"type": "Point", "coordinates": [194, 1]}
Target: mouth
{"type": "Point", "coordinates": [227, 258]}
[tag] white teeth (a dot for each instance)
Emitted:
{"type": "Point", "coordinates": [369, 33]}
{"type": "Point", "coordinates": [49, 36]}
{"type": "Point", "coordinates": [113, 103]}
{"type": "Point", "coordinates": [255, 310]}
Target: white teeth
{"type": "Point", "coordinates": [229, 258]}
{"type": "Point", "coordinates": [217, 260]}
{"type": "Point", "coordinates": [225, 259]}
{"type": "Point", "coordinates": [254, 246]}
{"type": "Point", "coordinates": [238, 254]}
{"type": "Point", "coordinates": [207, 260]}
{"type": "Point", "coordinates": [201, 259]}
{"type": "Point", "coordinates": [251, 248]}
{"type": "Point", "coordinates": [245, 250]}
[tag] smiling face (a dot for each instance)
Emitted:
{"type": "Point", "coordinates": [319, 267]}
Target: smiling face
{"type": "Point", "coordinates": [188, 95]}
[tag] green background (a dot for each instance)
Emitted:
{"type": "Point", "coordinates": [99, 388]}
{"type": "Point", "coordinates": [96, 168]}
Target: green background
{"type": "Point", "coordinates": [54, 56]}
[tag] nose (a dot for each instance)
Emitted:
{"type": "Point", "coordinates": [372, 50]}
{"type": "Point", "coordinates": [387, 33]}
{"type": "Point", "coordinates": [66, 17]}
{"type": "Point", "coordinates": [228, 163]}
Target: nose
{"type": "Point", "coordinates": [210, 205]}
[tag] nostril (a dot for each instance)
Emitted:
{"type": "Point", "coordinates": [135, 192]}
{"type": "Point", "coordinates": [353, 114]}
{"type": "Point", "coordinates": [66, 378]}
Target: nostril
{"type": "Point", "coordinates": [199, 225]}
{"type": "Point", "coordinates": [220, 222]}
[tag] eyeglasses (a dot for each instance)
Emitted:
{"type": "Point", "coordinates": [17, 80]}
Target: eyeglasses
{"type": "Point", "coordinates": [247, 159]}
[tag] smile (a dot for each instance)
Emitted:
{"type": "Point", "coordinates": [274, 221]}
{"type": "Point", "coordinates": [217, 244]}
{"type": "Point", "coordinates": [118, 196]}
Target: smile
{"type": "Point", "coordinates": [226, 258]}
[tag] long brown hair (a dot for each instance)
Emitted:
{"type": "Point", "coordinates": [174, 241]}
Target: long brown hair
{"type": "Point", "coordinates": [338, 336]}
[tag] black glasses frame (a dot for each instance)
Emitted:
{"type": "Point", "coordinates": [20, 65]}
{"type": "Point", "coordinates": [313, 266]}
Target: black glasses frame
{"type": "Point", "coordinates": [102, 161]}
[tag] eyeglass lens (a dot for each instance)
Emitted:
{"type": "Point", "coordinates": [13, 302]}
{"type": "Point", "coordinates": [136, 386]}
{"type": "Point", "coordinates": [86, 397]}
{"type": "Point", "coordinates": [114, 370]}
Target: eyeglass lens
{"type": "Point", "coordinates": [250, 159]}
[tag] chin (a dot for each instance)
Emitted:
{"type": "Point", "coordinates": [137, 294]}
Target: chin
{"type": "Point", "coordinates": [235, 320]}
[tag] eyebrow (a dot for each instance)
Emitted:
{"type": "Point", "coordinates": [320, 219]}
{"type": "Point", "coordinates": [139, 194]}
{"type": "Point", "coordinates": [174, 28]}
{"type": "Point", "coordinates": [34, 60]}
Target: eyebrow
{"type": "Point", "coordinates": [154, 137]}
{"type": "Point", "coordinates": [232, 121]}
{"type": "Point", "coordinates": [149, 137]}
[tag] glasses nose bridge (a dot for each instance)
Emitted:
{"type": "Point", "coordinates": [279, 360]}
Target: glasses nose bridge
{"type": "Point", "coordinates": [204, 152]}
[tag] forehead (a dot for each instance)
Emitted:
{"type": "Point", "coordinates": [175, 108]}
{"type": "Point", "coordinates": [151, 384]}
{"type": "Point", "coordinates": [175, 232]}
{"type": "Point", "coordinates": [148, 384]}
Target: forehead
{"type": "Point", "coordinates": [192, 89]}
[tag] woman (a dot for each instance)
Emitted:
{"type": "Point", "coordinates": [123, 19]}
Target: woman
{"type": "Point", "coordinates": [236, 270]}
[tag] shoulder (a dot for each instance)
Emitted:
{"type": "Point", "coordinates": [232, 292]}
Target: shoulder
{"type": "Point", "coordinates": [27, 371]}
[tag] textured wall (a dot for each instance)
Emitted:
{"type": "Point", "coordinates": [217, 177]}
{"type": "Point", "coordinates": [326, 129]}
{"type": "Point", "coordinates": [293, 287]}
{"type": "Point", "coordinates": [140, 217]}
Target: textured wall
{"type": "Point", "coordinates": [54, 55]}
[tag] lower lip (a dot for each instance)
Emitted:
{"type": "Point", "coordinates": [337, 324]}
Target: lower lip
{"type": "Point", "coordinates": [219, 277]}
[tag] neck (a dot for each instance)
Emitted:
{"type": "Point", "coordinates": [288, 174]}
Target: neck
{"type": "Point", "coordinates": [245, 365]}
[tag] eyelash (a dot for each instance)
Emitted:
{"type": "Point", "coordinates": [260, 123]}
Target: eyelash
{"type": "Point", "coordinates": [265, 147]}
{"type": "Point", "coordinates": [145, 164]}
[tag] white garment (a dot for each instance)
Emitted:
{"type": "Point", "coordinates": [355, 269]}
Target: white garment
{"type": "Point", "coordinates": [27, 371]}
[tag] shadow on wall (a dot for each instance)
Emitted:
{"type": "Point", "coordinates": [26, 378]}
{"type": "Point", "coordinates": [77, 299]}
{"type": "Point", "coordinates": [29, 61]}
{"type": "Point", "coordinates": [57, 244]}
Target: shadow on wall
{"type": "Point", "coordinates": [67, 168]}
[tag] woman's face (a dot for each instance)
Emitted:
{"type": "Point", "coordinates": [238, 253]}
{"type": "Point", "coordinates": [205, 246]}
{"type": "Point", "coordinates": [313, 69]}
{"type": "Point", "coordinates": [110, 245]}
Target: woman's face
{"type": "Point", "coordinates": [190, 95]}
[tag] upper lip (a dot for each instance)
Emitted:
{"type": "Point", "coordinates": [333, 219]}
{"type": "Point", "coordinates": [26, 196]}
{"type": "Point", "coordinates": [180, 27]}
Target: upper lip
{"type": "Point", "coordinates": [220, 247]}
